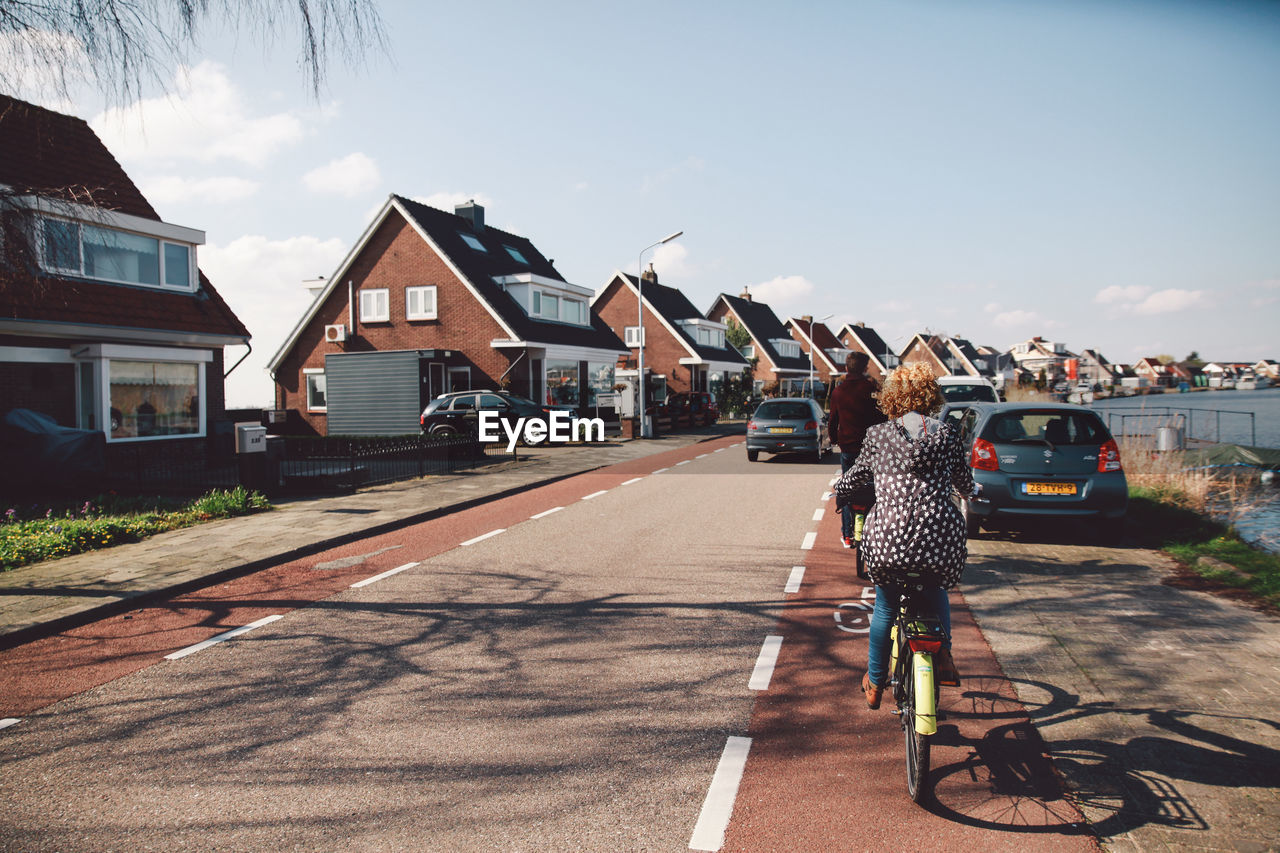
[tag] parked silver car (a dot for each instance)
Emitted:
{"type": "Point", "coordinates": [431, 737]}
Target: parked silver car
{"type": "Point", "coordinates": [788, 425]}
{"type": "Point", "coordinates": [1041, 459]}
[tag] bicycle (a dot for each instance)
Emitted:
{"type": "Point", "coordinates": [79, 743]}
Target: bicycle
{"type": "Point", "coordinates": [917, 635]}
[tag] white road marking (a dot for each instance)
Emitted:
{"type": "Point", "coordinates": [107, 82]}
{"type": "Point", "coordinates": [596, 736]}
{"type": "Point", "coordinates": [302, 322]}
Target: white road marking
{"type": "Point", "coordinates": [700, 455]}
{"type": "Point", "coordinates": [834, 480]}
{"type": "Point", "coordinates": [793, 582]}
{"type": "Point", "coordinates": [817, 514]}
{"type": "Point", "coordinates": [763, 673]}
{"type": "Point", "coordinates": [660, 470]}
{"type": "Point", "coordinates": [685, 462]}
{"type": "Point", "coordinates": [720, 450]}
{"type": "Point", "coordinates": [227, 635]}
{"type": "Point", "coordinates": [9, 721]}
{"type": "Point", "coordinates": [826, 496]}
{"type": "Point", "coordinates": [736, 444]}
{"type": "Point", "coordinates": [809, 538]}
{"type": "Point", "coordinates": [483, 537]}
{"type": "Point", "coordinates": [633, 480]}
{"type": "Point", "coordinates": [545, 513]}
{"type": "Point", "coordinates": [397, 570]}
{"type": "Point", "coordinates": [857, 619]}
{"type": "Point", "coordinates": [708, 833]}
{"type": "Point", "coordinates": [595, 494]}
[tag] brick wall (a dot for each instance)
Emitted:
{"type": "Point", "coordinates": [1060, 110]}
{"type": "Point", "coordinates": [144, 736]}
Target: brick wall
{"type": "Point", "coordinates": [662, 352]}
{"type": "Point", "coordinates": [395, 257]}
{"type": "Point", "coordinates": [46, 388]}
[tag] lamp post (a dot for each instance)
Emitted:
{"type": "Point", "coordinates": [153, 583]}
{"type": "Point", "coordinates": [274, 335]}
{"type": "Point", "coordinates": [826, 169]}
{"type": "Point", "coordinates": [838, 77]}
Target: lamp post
{"type": "Point", "coordinates": [645, 432]}
{"type": "Point", "coordinates": [813, 344]}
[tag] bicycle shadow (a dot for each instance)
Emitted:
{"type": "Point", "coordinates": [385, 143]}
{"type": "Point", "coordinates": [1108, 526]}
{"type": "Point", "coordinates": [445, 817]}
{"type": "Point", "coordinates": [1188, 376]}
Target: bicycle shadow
{"type": "Point", "coordinates": [1117, 785]}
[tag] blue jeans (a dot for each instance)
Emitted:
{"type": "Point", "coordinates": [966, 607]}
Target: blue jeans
{"type": "Point", "coordinates": [846, 513]}
{"type": "Point", "coordinates": [882, 617]}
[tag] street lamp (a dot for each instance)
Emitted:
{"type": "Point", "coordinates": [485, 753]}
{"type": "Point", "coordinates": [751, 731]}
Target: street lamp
{"type": "Point", "coordinates": [645, 431]}
{"type": "Point", "coordinates": [813, 344]}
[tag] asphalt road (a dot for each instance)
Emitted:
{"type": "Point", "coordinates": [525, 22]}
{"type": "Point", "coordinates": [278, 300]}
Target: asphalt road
{"type": "Point", "coordinates": [568, 683]}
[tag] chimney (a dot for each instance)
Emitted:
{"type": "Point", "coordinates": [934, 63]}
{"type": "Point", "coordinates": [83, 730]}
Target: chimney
{"type": "Point", "coordinates": [649, 275]}
{"type": "Point", "coordinates": [807, 318]}
{"type": "Point", "coordinates": [746, 294]}
{"type": "Point", "coordinates": [473, 213]}
{"type": "Point", "coordinates": [860, 324]}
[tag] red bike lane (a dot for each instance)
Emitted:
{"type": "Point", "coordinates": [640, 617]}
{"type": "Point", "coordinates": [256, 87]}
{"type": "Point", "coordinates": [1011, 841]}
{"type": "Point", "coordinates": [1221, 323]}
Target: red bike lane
{"type": "Point", "coordinates": [824, 772]}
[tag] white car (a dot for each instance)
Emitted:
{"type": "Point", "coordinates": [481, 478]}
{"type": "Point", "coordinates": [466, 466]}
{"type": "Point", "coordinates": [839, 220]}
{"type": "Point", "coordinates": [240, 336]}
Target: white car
{"type": "Point", "coordinates": [968, 389]}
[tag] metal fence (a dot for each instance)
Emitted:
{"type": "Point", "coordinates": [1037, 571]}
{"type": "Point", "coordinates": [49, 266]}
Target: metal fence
{"type": "Point", "coordinates": [1199, 424]}
{"type": "Point", "coordinates": [302, 463]}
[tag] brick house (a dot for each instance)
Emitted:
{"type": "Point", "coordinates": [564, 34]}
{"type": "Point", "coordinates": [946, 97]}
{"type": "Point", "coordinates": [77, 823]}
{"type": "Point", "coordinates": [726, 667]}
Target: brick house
{"type": "Point", "coordinates": [683, 350]}
{"type": "Point", "coordinates": [949, 356]}
{"type": "Point", "coordinates": [859, 337]}
{"type": "Point", "coordinates": [1156, 374]}
{"type": "Point", "coordinates": [822, 349]}
{"type": "Point", "coordinates": [428, 302]}
{"type": "Point", "coordinates": [1036, 354]}
{"type": "Point", "coordinates": [779, 357]}
{"type": "Point", "coordinates": [106, 322]}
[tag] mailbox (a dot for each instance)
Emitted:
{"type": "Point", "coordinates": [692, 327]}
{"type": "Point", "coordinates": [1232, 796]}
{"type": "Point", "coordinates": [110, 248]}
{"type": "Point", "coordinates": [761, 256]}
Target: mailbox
{"type": "Point", "coordinates": [251, 438]}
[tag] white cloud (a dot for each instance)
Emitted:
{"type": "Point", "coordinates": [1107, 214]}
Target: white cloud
{"type": "Point", "coordinates": [205, 119]}
{"type": "Point", "coordinates": [787, 295]}
{"type": "Point", "coordinates": [670, 262]}
{"type": "Point", "coordinates": [1125, 295]}
{"type": "Point", "coordinates": [23, 74]}
{"type": "Point", "coordinates": [1011, 319]}
{"type": "Point", "coordinates": [1166, 301]}
{"type": "Point", "coordinates": [217, 190]}
{"type": "Point", "coordinates": [347, 176]}
{"type": "Point", "coordinates": [893, 306]}
{"type": "Point", "coordinates": [261, 280]}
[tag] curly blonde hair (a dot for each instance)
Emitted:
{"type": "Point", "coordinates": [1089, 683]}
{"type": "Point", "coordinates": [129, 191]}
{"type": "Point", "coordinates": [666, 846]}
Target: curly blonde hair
{"type": "Point", "coordinates": [911, 388]}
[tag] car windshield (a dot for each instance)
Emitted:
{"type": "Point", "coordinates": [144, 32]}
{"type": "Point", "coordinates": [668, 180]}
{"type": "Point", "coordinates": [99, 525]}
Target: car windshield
{"type": "Point", "coordinates": [1037, 426]}
{"type": "Point", "coordinates": [968, 393]}
{"type": "Point", "coordinates": [784, 411]}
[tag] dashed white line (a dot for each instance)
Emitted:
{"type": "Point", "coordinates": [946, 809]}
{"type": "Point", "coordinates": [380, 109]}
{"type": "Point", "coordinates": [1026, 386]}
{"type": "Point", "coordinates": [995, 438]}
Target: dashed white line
{"type": "Point", "coordinates": [763, 673]}
{"type": "Point", "coordinates": [397, 570]}
{"type": "Point", "coordinates": [633, 480]}
{"type": "Point", "coordinates": [595, 494]}
{"type": "Point", "coordinates": [720, 450]}
{"type": "Point", "coordinates": [660, 470]}
{"type": "Point", "coordinates": [793, 582]}
{"type": "Point", "coordinates": [826, 496]}
{"type": "Point", "coordinates": [227, 635]}
{"type": "Point", "coordinates": [809, 539]}
{"type": "Point", "coordinates": [817, 514]}
{"type": "Point", "coordinates": [9, 721]}
{"type": "Point", "coordinates": [685, 462]}
{"type": "Point", "coordinates": [545, 513]}
{"type": "Point", "coordinates": [483, 537]}
{"type": "Point", "coordinates": [700, 455]}
{"type": "Point", "coordinates": [708, 833]}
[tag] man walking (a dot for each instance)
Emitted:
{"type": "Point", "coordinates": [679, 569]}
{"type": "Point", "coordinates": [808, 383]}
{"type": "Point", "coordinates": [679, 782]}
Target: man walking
{"type": "Point", "coordinates": [853, 409]}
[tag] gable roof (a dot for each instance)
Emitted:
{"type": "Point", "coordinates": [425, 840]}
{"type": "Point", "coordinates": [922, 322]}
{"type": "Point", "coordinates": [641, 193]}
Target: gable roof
{"type": "Point", "coordinates": [871, 342]}
{"type": "Point", "coordinates": [443, 232]}
{"type": "Point", "coordinates": [818, 334]}
{"type": "Point", "coordinates": [56, 156]}
{"type": "Point", "coordinates": [764, 327]}
{"type": "Point", "coordinates": [672, 306]}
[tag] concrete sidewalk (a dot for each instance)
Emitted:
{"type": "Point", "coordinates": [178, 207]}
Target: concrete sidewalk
{"type": "Point", "coordinates": [56, 594]}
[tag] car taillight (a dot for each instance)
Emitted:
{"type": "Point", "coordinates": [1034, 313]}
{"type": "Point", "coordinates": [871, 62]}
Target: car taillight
{"type": "Point", "coordinates": [1109, 456]}
{"type": "Point", "coordinates": [983, 456]}
{"type": "Point", "coordinates": [751, 426]}
{"type": "Point", "coordinates": [810, 426]}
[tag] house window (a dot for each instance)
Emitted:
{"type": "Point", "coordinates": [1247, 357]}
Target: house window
{"type": "Point", "coordinates": [562, 383]}
{"type": "Point", "coordinates": [711, 337]}
{"type": "Point", "coordinates": [573, 311]}
{"type": "Point", "coordinates": [546, 305]}
{"type": "Point", "coordinates": [599, 380]}
{"type": "Point", "coordinates": [154, 398]}
{"type": "Point", "coordinates": [472, 242]}
{"type": "Point", "coordinates": [116, 256]}
{"type": "Point", "coordinates": [375, 305]}
{"type": "Point", "coordinates": [420, 303]}
{"type": "Point", "coordinates": [459, 379]}
{"type": "Point", "coordinates": [748, 351]}
{"type": "Point", "coordinates": [315, 390]}
{"type": "Point", "coordinates": [515, 254]}
{"type": "Point", "coordinates": [633, 336]}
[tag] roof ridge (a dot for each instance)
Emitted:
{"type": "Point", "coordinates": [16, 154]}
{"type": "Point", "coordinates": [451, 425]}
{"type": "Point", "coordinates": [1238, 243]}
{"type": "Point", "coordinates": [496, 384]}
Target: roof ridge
{"type": "Point", "coordinates": [487, 226]}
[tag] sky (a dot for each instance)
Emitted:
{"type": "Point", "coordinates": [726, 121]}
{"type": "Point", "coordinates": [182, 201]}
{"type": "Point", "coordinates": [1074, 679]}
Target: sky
{"type": "Point", "coordinates": [1101, 174]}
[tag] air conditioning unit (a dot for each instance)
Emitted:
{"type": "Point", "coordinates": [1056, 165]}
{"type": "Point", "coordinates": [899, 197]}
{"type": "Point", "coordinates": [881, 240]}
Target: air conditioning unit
{"type": "Point", "coordinates": [335, 334]}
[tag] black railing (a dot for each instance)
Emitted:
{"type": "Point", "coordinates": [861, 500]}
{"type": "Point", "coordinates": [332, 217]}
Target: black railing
{"type": "Point", "coordinates": [347, 462]}
{"type": "Point", "coordinates": [1200, 424]}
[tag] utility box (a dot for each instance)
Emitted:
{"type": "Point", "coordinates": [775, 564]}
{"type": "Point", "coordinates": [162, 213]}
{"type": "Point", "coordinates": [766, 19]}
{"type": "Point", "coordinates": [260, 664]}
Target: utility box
{"type": "Point", "coordinates": [251, 438]}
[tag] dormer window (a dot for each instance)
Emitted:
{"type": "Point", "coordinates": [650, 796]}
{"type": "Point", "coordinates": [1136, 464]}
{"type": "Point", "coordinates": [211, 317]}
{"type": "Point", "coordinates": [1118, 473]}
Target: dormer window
{"type": "Point", "coordinates": [471, 241]}
{"type": "Point", "coordinates": [116, 256]}
{"type": "Point", "coordinates": [786, 348]}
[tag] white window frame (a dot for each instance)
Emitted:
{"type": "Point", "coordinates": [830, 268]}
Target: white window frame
{"type": "Point", "coordinates": [161, 243]}
{"type": "Point", "coordinates": [369, 305]}
{"type": "Point", "coordinates": [420, 313]}
{"type": "Point", "coordinates": [582, 310]}
{"type": "Point", "coordinates": [632, 334]}
{"type": "Point", "coordinates": [308, 375]}
{"type": "Point", "coordinates": [100, 356]}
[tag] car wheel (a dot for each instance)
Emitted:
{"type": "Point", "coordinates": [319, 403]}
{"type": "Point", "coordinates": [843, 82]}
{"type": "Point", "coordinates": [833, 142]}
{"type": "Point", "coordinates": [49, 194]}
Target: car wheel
{"type": "Point", "coordinates": [753, 455]}
{"type": "Point", "coordinates": [444, 432]}
{"type": "Point", "coordinates": [972, 521]}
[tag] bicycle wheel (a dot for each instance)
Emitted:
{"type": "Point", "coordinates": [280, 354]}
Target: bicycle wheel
{"type": "Point", "coordinates": [917, 745]}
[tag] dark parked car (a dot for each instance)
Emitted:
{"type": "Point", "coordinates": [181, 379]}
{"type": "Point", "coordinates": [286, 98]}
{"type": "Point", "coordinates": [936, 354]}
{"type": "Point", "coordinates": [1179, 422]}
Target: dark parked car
{"type": "Point", "coordinates": [458, 413]}
{"type": "Point", "coordinates": [693, 403]}
{"type": "Point", "coordinates": [788, 425]}
{"type": "Point", "coordinates": [1041, 459]}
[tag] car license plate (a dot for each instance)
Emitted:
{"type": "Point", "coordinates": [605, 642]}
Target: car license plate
{"type": "Point", "coordinates": [776, 430]}
{"type": "Point", "coordinates": [1048, 488]}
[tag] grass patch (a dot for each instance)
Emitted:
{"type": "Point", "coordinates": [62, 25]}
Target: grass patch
{"type": "Point", "coordinates": [1161, 517]}
{"type": "Point", "coordinates": [37, 532]}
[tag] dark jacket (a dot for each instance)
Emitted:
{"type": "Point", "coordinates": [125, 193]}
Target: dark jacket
{"type": "Point", "coordinates": [853, 409]}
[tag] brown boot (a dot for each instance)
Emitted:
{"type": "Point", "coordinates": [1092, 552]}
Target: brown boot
{"type": "Point", "coordinates": [945, 669]}
{"type": "Point", "coordinates": [872, 692]}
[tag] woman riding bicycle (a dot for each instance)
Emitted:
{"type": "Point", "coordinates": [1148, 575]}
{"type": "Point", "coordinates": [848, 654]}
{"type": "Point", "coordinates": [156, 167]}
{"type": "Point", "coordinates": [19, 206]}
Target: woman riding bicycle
{"type": "Point", "coordinates": [914, 538]}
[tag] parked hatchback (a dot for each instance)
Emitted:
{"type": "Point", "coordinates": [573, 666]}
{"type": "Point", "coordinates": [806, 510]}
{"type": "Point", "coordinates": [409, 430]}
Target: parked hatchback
{"type": "Point", "coordinates": [458, 413]}
{"type": "Point", "coordinates": [788, 425]}
{"type": "Point", "coordinates": [1047, 460]}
